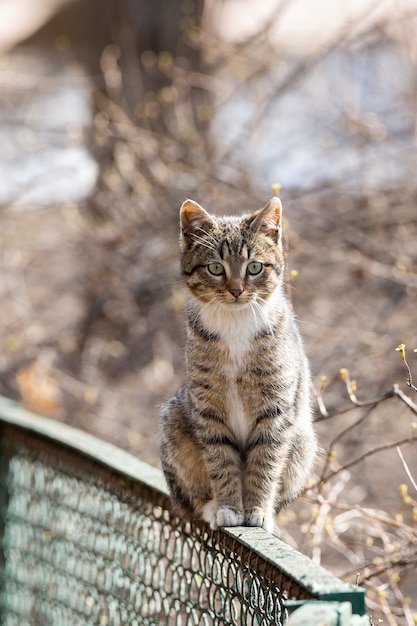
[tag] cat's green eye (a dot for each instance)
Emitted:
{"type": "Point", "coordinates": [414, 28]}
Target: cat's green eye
{"type": "Point", "coordinates": [254, 267]}
{"type": "Point", "coordinates": [216, 269]}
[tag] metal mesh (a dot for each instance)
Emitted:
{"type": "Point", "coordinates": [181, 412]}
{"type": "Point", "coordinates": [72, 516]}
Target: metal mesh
{"type": "Point", "coordinates": [87, 538]}
{"type": "Point", "coordinates": [83, 546]}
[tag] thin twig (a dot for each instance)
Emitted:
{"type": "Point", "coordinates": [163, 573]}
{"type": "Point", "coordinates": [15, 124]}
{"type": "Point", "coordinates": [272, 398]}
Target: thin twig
{"type": "Point", "coordinates": [401, 350]}
{"type": "Point", "coordinates": [364, 456]}
{"type": "Point", "coordinates": [406, 468]}
{"type": "Point", "coordinates": [338, 437]}
{"type": "Point", "coordinates": [402, 396]}
{"type": "Point", "coordinates": [319, 396]}
{"type": "Point", "coordinates": [351, 389]}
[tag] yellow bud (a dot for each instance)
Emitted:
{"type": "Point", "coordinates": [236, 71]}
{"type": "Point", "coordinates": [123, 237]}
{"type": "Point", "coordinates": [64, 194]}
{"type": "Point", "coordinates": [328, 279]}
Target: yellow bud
{"type": "Point", "coordinates": [403, 489]}
{"type": "Point", "coordinates": [276, 188]}
{"type": "Point", "coordinates": [11, 343]}
{"type": "Point", "coordinates": [401, 348]}
{"type": "Point", "coordinates": [165, 60]}
{"type": "Point", "coordinates": [343, 373]}
{"type": "Point", "coordinates": [293, 273]}
{"type": "Point", "coordinates": [413, 427]}
{"type": "Point", "coordinates": [382, 594]}
{"type": "Point", "coordinates": [328, 527]}
{"type": "Point", "coordinates": [332, 454]}
{"type": "Point", "coordinates": [91, 395]}
{"type": "Point", "coordinates": [353, 386]}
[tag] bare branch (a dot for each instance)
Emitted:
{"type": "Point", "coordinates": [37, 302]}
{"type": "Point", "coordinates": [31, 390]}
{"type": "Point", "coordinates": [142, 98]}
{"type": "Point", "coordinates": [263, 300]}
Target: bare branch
{"type": "Point", "coordinates": [406, 468]}
{"type": "Point", "coordinates": [351, 389]}
{"type": "Point", "coordinates": [401, 350]}
{"type": "Point", "coordinates": [366, 455]}
{"type": "Point", "coordinates": [402, 396]}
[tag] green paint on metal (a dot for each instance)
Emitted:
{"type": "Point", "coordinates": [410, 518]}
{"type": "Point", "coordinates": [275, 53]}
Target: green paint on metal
{"type": "Point", "coordinates": [89, 445]}
{"type": "Point", "coordinates": [315, 578]}
{"type": "Point", "coordinates": [323, 614]}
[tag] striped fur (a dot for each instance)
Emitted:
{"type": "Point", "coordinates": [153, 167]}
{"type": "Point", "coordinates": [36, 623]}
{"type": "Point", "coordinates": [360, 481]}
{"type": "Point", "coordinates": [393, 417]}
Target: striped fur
{"type": "Point", "coordinates": [237, 441]}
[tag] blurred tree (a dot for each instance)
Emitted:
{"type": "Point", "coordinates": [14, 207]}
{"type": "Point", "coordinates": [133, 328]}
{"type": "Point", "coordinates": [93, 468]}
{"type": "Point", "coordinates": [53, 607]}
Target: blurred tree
{"type": "Point", "coordinates": [142, 29]}
{"type": "Point", "coordinates": [152, 34]}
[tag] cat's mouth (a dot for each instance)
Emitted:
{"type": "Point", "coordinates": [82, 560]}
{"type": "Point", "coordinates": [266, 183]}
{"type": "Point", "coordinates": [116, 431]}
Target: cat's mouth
{"type": "Point", "coordinates": [238, 303]}
{"type": "Point", "coordinates": [228, 301]}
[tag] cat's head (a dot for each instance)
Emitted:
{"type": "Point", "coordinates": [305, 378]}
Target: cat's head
{"type": "Point", "coordinates": [232, 261]}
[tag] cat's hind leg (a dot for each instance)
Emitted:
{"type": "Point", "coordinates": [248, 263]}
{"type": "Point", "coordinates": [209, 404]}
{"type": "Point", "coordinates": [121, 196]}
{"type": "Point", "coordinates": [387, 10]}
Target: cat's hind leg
{"type": "Point", "coordinates": [298, 471]}
{"type": "Point", "coordinates": [182, 462]}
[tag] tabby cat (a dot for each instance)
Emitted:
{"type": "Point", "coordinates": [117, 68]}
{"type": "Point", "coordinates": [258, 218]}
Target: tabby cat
{"type": "Point", "coordinates": [237, 440]}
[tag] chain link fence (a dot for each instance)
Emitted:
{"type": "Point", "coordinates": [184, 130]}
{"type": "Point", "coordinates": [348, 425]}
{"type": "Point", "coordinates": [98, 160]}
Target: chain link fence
{"type": "Point", "coordinates": [88, 538]}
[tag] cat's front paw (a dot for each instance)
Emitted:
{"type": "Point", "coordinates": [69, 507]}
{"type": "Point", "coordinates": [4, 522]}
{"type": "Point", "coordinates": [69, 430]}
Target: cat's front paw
{"type": "Point", "coordinates": [262, 519]}
{"type": "Point", "coordinates": [223, 516]}
{"type": "Point", "coordinates": [227, 517]}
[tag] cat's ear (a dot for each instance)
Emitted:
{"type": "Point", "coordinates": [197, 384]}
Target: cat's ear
{"type": "Point", "coordinates": [268, 220]}
{"type": "Point", "coordinates": [194, 218]}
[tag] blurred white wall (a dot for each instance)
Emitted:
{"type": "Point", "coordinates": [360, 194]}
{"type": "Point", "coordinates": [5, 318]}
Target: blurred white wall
{"type": "Point", "coordinates": [303, 26]}
{"type": "Point", "coordinates": [298, 26]}
{"type": "Point", "coordinates": [19, 19]}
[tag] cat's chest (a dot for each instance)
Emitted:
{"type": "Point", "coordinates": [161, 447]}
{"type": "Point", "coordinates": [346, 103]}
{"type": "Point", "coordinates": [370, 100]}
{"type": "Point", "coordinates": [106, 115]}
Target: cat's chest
{"type": "Point", "coordinates": [233, 350]}
{"type": "Point", "coordinates": [236, 330]}
{"type": "Point", "coordinates": [237, 333]}
{"type": "Point", "coordinates": [239, 342]}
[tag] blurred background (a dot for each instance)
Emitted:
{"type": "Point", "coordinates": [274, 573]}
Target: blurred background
{"type": "Point", "coordinates": [111, 114]}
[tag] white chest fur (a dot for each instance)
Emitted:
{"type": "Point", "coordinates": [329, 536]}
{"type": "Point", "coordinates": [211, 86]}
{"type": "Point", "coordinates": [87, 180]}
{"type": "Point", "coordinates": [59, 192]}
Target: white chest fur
{"type": "Point", "coordinates": [237, 328]}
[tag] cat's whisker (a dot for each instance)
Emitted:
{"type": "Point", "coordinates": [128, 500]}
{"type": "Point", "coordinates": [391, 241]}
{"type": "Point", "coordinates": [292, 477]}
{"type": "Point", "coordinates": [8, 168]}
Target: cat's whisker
{"type": "Point", "coordinates": [262, 292]}
{"type": "Point", "coordinates": [202, 239]}
{"type": "Point", "coordinates": [209, 235]}
{"type": "Point", "coordinates": [211, 307]}
{"type": "Point", "coordinates": [252, 306]}
{"type": "Point", "coordinates": [173, 282]}
{"type": "Point", "coordinates": [263, 315]}
{"type": "Point", "coordinates": [201, 308]}
{"type": "Point", "coordinates": [263, 300]}
{"type": "Point", "coordinates": [203, 242]}
{"type": "Point", "coordinates": [215, 308]}
{"type": "Point", "coordinates": [259, 299]}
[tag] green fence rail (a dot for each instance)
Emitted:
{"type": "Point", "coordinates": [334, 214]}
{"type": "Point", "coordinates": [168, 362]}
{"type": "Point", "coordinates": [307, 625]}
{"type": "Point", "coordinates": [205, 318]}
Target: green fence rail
{"type": "Point", "coordinates": [88, 538]}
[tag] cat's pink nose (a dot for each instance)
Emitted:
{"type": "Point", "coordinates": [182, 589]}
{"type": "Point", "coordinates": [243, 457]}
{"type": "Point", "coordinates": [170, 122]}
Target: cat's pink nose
{"type": "Point", "coordinates": [236, 292]}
